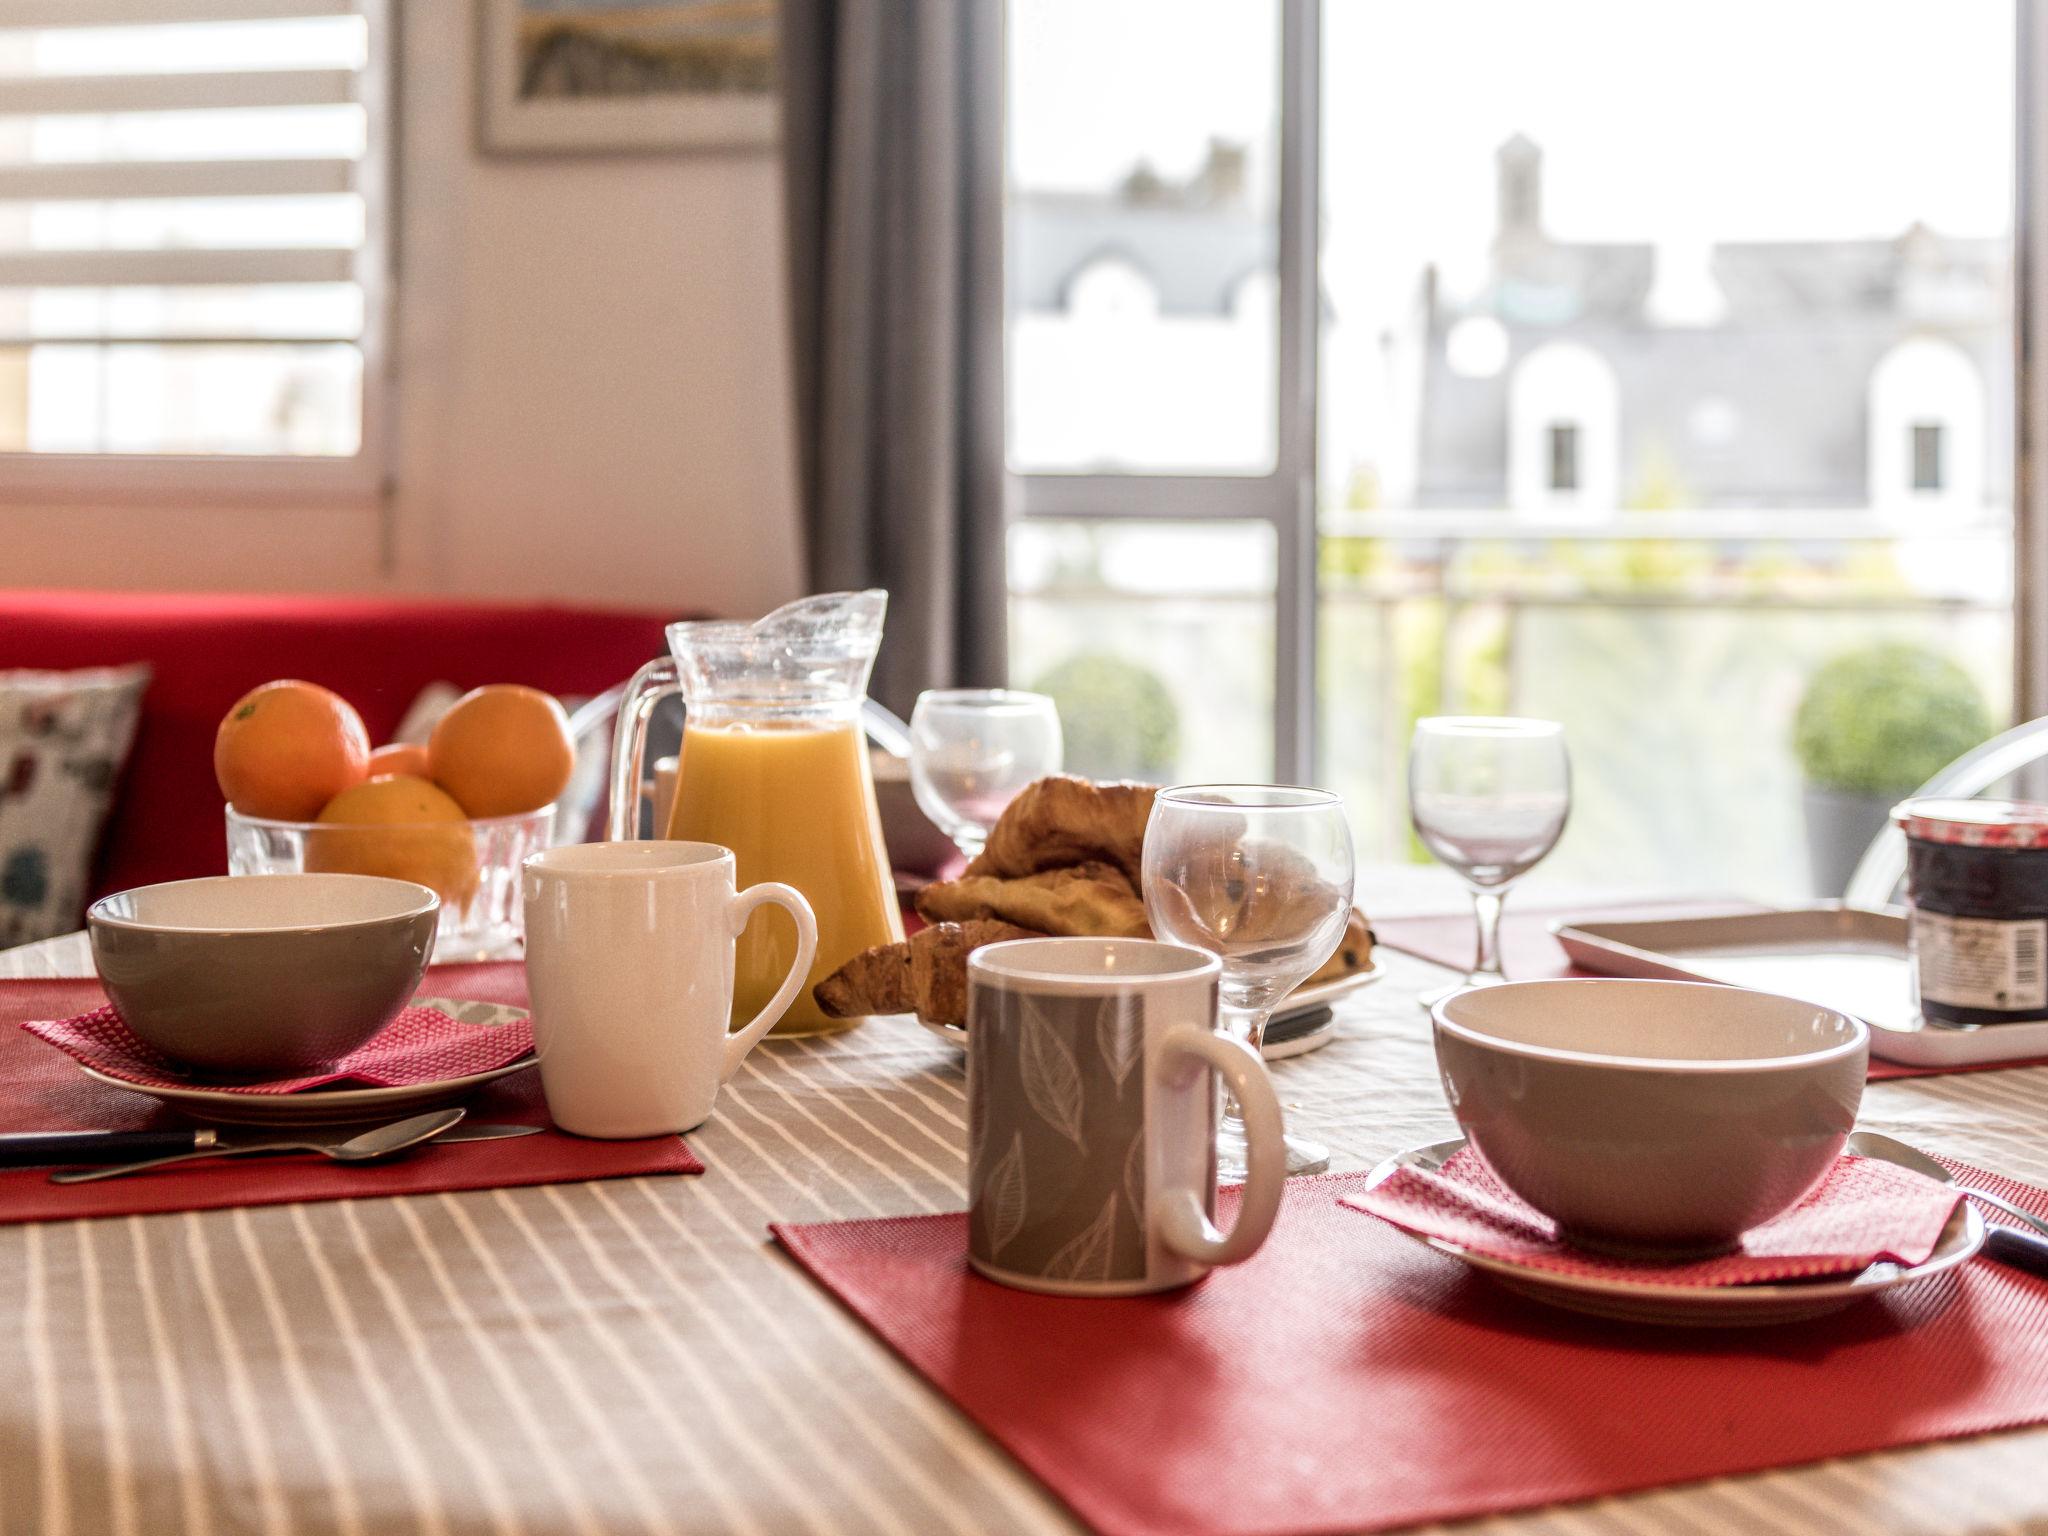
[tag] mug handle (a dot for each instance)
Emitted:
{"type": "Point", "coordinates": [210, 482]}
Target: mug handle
{"type": "Point", "coordinates": [1180, 1220]}
{"type": "Point", "coordinates": [791, 900]}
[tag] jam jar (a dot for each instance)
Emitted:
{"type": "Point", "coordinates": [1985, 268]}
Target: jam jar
{"type": "Point", "coordinates": [1977, 881]}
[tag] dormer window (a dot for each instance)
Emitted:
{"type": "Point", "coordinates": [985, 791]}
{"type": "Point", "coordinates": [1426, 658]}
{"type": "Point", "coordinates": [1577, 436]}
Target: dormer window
{"type": "Point", "coordinates": [1564, 441]}
{"type": "Point", "coordinates": [1927, 428]}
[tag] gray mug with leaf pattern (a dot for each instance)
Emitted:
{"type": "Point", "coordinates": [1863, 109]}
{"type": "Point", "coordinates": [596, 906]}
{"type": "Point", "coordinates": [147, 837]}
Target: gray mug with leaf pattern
{"type": "Point", "coordinates": [1091, 1118]}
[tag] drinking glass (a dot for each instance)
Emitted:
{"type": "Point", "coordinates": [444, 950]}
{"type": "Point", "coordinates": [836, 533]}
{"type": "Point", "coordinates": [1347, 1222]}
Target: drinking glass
{"type": "Point", "coordinates": [972, 750]}
{"type": "Point", "coordinates": [1489, 797]}
{"type": "Point", "coordinates": [1259, 874]}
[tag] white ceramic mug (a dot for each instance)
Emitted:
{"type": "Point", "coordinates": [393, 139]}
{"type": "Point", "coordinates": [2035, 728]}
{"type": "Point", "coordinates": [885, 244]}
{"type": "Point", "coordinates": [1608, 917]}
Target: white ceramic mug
{"type": "Point", "coordinates": [629, 966]}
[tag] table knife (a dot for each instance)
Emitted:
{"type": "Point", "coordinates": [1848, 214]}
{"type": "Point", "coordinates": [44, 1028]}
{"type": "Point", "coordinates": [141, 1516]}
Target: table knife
{"type": "Point", "coordinates": [49, 1149]}
{"type": "Point", "coordinates": [2022, 1250]}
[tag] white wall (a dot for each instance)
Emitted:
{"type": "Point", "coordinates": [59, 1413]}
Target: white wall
{"type": "Point", "coordinates": [592, 391]}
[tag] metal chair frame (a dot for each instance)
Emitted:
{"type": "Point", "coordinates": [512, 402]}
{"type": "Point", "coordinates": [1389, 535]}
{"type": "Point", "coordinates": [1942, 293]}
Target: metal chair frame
{"type": "Point", "coordinates": [1882, 869]}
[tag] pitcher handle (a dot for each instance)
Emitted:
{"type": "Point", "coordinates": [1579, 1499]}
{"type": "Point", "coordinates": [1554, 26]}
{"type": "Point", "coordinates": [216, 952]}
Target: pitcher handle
{"type": "Point", "coordinates": [791, 900]}
{"type": "Point", "coordinates": [1182, 1223]}
{"type": "Point", "coordinates": [651, 684]}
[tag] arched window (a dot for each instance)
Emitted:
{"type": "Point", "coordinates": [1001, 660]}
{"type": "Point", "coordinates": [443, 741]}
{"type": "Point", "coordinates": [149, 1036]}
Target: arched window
{"type": "Point", "coordinates": [1926, 427]}
{"type": "Point", "coordinates": [1564, 446]}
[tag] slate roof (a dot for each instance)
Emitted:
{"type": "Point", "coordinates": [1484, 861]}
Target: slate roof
{"type": "Point", "coordinates": [1791, 357]}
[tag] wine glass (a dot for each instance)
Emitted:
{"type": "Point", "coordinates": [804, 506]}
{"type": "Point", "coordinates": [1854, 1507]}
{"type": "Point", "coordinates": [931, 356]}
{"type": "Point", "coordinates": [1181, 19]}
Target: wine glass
{"type": "Point", "coordinates": [1259, 875]}
{"type": "Point", "coordinates": [1489, 797]}
{"type": "Point", "coordinates": [972, 750]}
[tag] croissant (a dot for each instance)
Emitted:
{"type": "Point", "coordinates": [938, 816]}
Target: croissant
{"type": "Point", "coordinates": [925, 974]}
{"type": "Point", "coordinates": [1063, 820]}
{"type": "Point", "coordinates": [1353, 951]}
{"type": "Point", "coordinates": [1090, 900]}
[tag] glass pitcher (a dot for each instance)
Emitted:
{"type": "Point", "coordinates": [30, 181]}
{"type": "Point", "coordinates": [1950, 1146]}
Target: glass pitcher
{"type": "Point", "coordinates": [775, 767]}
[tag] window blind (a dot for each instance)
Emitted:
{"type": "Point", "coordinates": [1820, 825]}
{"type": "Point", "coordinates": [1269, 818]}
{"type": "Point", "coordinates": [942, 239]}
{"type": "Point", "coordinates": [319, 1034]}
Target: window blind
{"type": "Point", "coordinates": [192, 201]}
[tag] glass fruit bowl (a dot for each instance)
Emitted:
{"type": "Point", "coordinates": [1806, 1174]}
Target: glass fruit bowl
{"type": "Point", "coordinates": [474, 865]}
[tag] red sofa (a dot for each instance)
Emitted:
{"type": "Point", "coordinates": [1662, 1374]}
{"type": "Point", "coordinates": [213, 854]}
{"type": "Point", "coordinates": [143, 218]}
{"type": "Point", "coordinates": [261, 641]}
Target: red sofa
{"type": "Point", "coordinates": [207, 650]}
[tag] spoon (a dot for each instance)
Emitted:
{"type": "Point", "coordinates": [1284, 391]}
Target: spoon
{"type": "Point", "coordinates": [380, 1141]}
{"type": "Point", "coordinates": [2022, 1250]}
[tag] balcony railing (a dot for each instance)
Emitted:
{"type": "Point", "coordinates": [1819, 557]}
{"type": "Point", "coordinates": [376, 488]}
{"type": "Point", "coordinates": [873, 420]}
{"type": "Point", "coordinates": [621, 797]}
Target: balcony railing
{"type": "Point", "coordinates": [1675, 646]}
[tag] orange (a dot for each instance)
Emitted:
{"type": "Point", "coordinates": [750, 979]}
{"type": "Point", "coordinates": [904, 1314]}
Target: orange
{"type": "Point", "coordinates": [404, 757]}
{"type": "Point", "coordinates": [402, 828]}
{"type": "Point", "coordinates": [288, 748]}
{"type": "Point", "coordinates": [503, 750]}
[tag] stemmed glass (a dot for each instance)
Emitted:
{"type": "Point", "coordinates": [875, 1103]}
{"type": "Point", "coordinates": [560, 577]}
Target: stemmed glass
{"type": "Point", "coordinates": [1261, 876]}
{"type": "Point", "coordinates": [1489, 797]}
{"type": "Point", "coordinates": [972, 750]}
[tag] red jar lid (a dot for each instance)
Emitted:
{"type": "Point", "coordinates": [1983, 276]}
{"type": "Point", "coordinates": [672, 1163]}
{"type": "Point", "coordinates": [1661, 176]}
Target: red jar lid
{"type": "Point", "coordinates": [1974, 823]}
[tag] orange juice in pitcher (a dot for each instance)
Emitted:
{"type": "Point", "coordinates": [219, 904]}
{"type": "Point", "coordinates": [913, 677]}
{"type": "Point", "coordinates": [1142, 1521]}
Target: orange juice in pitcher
{"type": "Point", "coordinates": [774, 766]}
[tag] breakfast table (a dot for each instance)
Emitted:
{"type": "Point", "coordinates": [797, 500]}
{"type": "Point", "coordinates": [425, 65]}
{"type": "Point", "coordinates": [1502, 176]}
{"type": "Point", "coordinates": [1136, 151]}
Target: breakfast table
{"type": "Point", "coordinates": [636, 1355]}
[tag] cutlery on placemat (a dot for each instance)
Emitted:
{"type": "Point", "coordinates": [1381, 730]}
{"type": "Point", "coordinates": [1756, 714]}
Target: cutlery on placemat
{"type": "Point", "coordinates": [2022, 1250]}
{"type": "Point", "coordinates": [380, 1141]}
{"type": "Point", "coordinates": [63, 1149]}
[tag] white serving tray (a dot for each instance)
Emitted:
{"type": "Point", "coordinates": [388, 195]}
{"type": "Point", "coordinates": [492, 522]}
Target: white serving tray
{"type": "Point", "coordinates": [1843, 957]}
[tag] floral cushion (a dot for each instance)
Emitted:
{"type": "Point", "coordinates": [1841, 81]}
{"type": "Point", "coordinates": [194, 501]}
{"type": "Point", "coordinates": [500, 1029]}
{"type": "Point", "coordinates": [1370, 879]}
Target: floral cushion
{"type": "Point", "coordinates": [63, 739]}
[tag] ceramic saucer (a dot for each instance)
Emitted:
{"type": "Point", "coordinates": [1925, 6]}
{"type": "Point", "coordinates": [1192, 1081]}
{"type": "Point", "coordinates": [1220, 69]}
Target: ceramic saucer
{"type": "Point", "coordinates": [1695, 1306]}
{"type": "Point", "coordinates": [333, 1106]}
{"type": "Point", "coordinates": [1300, 1000]}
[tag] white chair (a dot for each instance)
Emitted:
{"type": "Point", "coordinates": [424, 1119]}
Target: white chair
{"type": "Point", "coordinates": [1882, 870]}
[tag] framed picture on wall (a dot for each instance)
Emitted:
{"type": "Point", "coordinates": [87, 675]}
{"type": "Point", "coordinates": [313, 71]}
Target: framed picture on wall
{"type": "Point", "coordinates": [595, 76]}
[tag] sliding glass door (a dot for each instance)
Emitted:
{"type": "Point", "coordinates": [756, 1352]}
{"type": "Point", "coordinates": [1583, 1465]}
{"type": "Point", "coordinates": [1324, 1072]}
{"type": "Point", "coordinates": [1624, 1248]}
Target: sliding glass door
{"type": "Point", "coordinates": [1645, 368]}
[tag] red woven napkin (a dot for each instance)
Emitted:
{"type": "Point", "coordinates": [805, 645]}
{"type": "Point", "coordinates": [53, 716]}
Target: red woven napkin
{"type": "Point", "coordinates": [42, 1090]}
{"type": "Point", "coordinates": [421, 1045]}
{"type": "Point", "coordinates": [1863, 1211]}
{"type": "Point", "coordinates": [1348, 1379]}
{"type": "Point", "coordinates": [1530, 952]}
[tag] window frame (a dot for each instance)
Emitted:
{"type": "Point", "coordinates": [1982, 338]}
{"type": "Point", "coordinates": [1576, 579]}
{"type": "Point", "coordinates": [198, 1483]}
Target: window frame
{"type": "Point", "coordinates": [240, 480]}
{"type": "Point", "coordinates": [1286, 498]}
{"type": "Point", "coordinates": [2030, 378]}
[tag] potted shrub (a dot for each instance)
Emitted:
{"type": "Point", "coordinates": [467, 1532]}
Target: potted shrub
{"type": "Point", "coordinates": [1874, 725]}
{"type": "Point", "coordinates": [1118, 717]}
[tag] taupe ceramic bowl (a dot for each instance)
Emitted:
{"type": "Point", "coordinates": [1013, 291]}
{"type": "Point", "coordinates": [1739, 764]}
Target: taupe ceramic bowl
{"type": "Point", "coordinates": [243, 974]}
{"type": "Point", "coordinates": [1651, 1117]}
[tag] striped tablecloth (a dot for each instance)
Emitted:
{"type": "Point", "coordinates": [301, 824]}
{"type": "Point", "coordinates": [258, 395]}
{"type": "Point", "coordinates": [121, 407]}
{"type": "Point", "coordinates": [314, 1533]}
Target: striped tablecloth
{"type": "Point", "coordinates": [634, 1356]}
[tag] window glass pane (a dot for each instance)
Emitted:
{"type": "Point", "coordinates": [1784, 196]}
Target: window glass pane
{"type": "Point", "coordinates": [1155, 638]}
{"type": "Point", "coordinates": [1641, 429]}
{"type": "Point", "coordinates": [1927, 456]}
{"type": "Point", "coordinates": [282, 133]}
{"type": "Point", "coordinates": [1143, 306]}
{"type": "Point", "coordinates": [263, 399]}
{"type": "Point", "coordinates": [211, 223]}
{"type": "Point", "coordinates": [286, 310]}
{"type": "Point", "coordinates": [309, 42]}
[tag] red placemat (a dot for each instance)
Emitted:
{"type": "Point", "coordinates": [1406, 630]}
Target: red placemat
{"type": "Point", "coordinates": [1348, 1379]}
{"type": "Point", "coordinates": [1530, 953]}
{"type": "Point", "coordinates": [41, 1089]}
